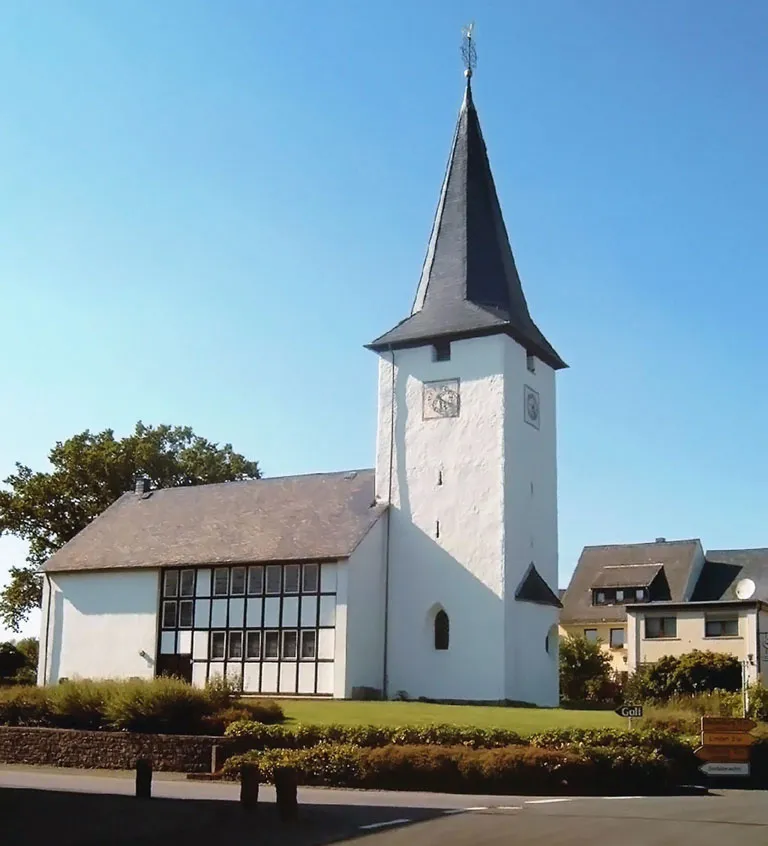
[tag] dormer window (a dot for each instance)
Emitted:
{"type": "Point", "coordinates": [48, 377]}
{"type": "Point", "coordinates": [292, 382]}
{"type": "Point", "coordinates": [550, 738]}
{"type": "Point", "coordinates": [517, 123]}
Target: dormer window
{"type": "Point", "coordinates": [640, 595]}
{"type": "Point", "coordinates": [599, 597]}
{"type": "Point", "coordinates": [619, 596]}
{"type": "Point", "coordinates": [441, 351]}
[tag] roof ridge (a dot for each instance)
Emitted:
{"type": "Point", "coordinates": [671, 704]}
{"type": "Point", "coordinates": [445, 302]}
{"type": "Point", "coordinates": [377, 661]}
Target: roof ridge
{"type": "Point", "coordinates": [643, 543]}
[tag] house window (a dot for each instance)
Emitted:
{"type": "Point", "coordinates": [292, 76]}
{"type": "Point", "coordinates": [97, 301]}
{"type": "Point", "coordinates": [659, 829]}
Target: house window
{"type": "Point", "coordinates": [308, 644]}
{"type": "Point", "coordinates": [640, 595]}
{"type": "Point", "coordinates": [310, 578]}
{"type": "Point", "coordinates": [218, 641]}
{"type": "Point", "coordinates": [169, 615]}
{"type": "Point", "coordinates": [255, 581]}
{"type": "Point", "coordinates": [619, 596]}
{"type": "Point", "coordinates": [441, 351]}
{"type": "Point", "coordinates": [271, 645]}
{"type": "Point", "coordinates": [290, 645]}
{"type": "Point", "coordinates": [274, 574]}
{"type": "Point", "coordinates": [442, 630]}
{"type": "Point", "coordinates": [220, 581]}
{"type": "Point", "coordinates": [617, 638]}
{"type": "Point", "coordinates": [253, 645]}
{"type": "Point", "coordinates": [600, 597]}
{"type": "Point", "coordinates": [530, 361]}
{"type": "Point", "coordinates": [186, 607]}
{"type": "Point", "coordinates": [291, 577]}
{"type": "Point", "coordinates": [238, 581]}
{"type": "Point", "coordinates": [660, 627]}
{"type": "Point", "coordinates": [171, 585]}
{"type": "Point", "coordinates": [187, 583]}
{"type": "Point", "coordinates": [722, 627]}
{"type": "Point", "coordinates": [591, 635]}
{"type": "Point", "coordinates": [235, 644]}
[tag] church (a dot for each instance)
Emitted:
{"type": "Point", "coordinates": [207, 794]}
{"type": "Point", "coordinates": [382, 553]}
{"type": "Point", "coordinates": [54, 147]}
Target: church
{"type": "Point", "coordinates": [433, 574]}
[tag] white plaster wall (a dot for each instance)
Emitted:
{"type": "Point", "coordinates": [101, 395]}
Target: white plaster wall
{"type": "Point", "coordinates": [364, 636]}
{"type": "Point", "coordinates": [98, 623]}
{"type": "Point", "coordinates": [633, 641]}
{"type": "Point", "coordinates": [340, 641]}
{"type": "Point", "coordinates": [462, 571]}
{"type": "Point", "coordinates": [530, 525]}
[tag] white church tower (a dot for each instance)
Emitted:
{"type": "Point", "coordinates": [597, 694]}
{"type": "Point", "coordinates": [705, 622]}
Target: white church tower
{"type": "Point", "coordinates": [466, 457]}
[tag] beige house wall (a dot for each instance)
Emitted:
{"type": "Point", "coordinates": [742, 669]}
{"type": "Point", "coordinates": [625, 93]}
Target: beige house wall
{"type": "Point", "coordinates": [619, 659]}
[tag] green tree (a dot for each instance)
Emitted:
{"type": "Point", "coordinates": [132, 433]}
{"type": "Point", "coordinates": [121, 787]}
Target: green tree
{"type": "Point", "coordinates": [585, 669]}
{"type": "Point", "coordinates": [90, 471]}
{"type": "Point", "coordinates": [11, 661]}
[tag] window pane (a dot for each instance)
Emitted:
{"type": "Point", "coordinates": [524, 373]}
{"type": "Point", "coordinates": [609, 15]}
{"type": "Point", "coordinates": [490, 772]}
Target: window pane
{"type": "Point", "coordinates": [220, 581]}
{"type": "Point", "coordinates": [731, 627]}
{"type": "Point", "coordinates": [235, 644]}
{"type": "Point", "coordinates": [238, 580]}
{"type": "Point", "coordinates": [271, 644]}
{"type": "Point", "coordinates": [670, 626]}
{"type": "Point", "coordinates": [617, 638]}
{"type": "Point", "coordinates": [600, 598]}
{"type": "Point", "coordinates": [308, 644]}
{"type": "Point", "coordinates": [171, 587]}
{"type": "Point", "coordinates": [253, 645]}
{"type": "Point", "coordinates": [310, 578]}
{"type": "Point", "coordinates": [619, 596]}
{"type": "Point", "coordinates": [652, 627]}
{"type": "Point", "coordinates": [273, 579]}
{"type": "Point", "coordinates": [218, 639]}
{"type": "Point", "coordinates": [186, 607]}
{"type": "Point", "coordinates": [290, 644]}
{"type": "Point", "coordinates": [187, 583]}
{"type": "Point", "coordinates": [292, 572]}
{"type": "Point", "coordinates": [590, 635]}
{"type": "Point", "coordinates": [169, 615]}
{"type": "Point", "coordinates": [255, 581]}
{"type": "Point", "coordinates": [640, 594]}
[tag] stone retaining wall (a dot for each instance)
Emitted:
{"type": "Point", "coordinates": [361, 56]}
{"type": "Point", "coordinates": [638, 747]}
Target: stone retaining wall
{"type": "Point", "coordinates": [110, 750]}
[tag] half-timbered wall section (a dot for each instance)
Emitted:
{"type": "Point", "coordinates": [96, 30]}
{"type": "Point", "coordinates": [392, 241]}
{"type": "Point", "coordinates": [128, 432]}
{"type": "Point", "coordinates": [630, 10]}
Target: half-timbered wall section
{"type": "Point", "coordinates": [269, 628]}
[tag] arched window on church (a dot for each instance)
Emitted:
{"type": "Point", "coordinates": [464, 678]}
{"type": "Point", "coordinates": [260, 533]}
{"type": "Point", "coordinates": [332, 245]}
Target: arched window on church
{"type": "Point", "coordinates": [442, 630]}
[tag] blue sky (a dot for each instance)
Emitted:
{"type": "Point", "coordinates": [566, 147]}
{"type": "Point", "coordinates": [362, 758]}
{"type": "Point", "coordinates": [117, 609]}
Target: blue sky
{"type": "Point", "coordinates": [207, 208]}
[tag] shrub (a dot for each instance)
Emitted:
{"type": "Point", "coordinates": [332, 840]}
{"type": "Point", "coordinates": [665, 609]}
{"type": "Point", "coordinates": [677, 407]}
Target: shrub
{"type": "Point", "coordinates": [24, 706]}
{"type": "Point", "coordinates": [585, 670]}
{"type": "Point", "coordinates": [79, 704]}
{"type": "Point", "coordinates": [513, 769]}
{"type": "Point", "coordinates": [692, 673]}
{"type": "Point", "coordinates": [758, 702]}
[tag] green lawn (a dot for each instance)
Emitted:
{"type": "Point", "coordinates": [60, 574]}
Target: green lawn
{"type": "Point", "coordinates": [523, 720]}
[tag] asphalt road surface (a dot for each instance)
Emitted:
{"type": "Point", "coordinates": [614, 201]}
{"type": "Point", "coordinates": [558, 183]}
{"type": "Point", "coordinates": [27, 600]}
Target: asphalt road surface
{"type": "Point", "coordinates": [100, 809]}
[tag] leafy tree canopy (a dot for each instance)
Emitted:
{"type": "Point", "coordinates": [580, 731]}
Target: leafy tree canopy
{"type": "Point", "coordinates": [585, 668]}
{"type": "Point", "coordinates": [90, 471]}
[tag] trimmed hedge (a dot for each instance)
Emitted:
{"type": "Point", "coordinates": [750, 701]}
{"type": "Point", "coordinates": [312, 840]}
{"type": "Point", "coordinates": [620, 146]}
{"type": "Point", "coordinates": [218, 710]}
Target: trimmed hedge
{"type": "Point", "coordinates": [163, 705]}
{"type": "Point", "coordinates": [453, 769]}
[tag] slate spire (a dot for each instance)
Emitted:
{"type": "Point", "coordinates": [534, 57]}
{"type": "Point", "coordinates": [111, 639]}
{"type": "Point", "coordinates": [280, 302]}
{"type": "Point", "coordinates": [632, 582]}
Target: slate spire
{"type": "Point", "coordinates": [469, 283]}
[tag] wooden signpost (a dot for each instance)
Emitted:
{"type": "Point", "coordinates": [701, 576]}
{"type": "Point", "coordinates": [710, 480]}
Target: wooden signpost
{"type": "Point", "coordinates": [725, 743]}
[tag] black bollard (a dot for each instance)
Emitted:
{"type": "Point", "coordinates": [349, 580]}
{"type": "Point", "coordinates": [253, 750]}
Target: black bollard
{"type": "Point", "coordinates": [286, 790]}
{"type": "Point", "coordinates": [143, 778]}
{"type": "Point", "coordinates": [249, 785]}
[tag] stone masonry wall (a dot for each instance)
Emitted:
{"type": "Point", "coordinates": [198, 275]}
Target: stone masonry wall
{"type": "Point", "coordinates": [109, 750]}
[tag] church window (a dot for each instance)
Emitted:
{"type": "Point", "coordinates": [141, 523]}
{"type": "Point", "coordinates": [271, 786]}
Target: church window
{"type": "Point", "coordinates": [310, 578]}
{"type": "Point", "coordinates": [291, 576]}
{"type": "Point", "coordinates": [169, 615]}
{"type": "Point", "coordinates": [235, 644]}
{"type": "Point", "coordinates": [253, 645]}
{"type": "Point", "coordinates": [437, 528]}
{"type": "Point", "coordinates": [171, 586]}
{"type": "Point", "coordinates": [308, 644]}
{"type": "Point", "coordinates": [220, 581]}
{"type": "Point", "coordinates": [238, 581]}
{"type": "Point", "coordinates": [274, 574]}
{"type": "Point", "coordinates": [442, 630]}
{"type": "Point", "coordinates": [187, 583]}
{"type": "Point", "coordinates": [531, 362]}
{"type": "Point", "coordinates": [439, 477]}
{"type": "Point", "coordinates": [218, 639]}
{"type": "Point", "coordinates": [256, 580]}
{"type": "Point", "coordinates": [271, 644]}
{"type": "Point", "coordinates": [290, 644]}
{"type": "Point", "coordinates": [186, 607]}
{"type": "Point", "coordinates": [441, 351]}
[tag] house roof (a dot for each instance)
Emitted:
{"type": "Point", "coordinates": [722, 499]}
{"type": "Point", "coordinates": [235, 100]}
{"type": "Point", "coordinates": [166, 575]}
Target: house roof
{"type": "Point", "coordinates": [677, 558]}
{"type": "Point", "coordinates": [627, 575]}
{"type": "Point", "coordinates": [469, 283]}
{"type": "Point", "coordinates": [723, 570]}
{"type": "Point", "coordinates": [320, 516]}
{"type": "Point", "coordinates": [533, 588]}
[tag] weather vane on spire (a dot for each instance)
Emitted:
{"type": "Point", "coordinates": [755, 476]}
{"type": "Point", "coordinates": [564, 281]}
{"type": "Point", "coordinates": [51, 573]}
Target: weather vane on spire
{"type": "Point", "coordinates": [468, 52]}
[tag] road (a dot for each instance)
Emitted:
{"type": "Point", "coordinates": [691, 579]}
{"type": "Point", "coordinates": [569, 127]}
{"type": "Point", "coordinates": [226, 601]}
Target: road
{"type": "Point", "coordinates": [731, 817]}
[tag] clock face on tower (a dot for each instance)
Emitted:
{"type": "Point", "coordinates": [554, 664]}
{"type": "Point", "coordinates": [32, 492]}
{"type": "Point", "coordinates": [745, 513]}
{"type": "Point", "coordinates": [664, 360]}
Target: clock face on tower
{"type": "Point", "coordinates": [532, 409]}
{"type": "Point", "coordinates": [441, 399]}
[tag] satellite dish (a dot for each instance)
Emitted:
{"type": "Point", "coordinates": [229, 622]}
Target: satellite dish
{"type": "Point", "coordinates": [745, 589]}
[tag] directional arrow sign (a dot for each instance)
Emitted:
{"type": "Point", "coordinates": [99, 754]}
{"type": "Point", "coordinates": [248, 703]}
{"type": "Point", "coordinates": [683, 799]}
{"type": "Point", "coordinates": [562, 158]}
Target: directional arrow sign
{"type": "Point", "coordinates": [727, 724]}
{"type": "Point", "coordinates": [725, 769]}
{"type": "Point", "coordinates": [726, 739]}
{"type": "Point", "coordinates": [723, 754]}
{"type": "Point", "coordinates": [630, 711]}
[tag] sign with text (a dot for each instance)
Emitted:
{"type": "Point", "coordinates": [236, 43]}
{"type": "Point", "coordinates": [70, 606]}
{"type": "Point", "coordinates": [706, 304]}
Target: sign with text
{"type": "Point", "coordinates": [710, 738]}
{"type": "Point", "coordinates": [630, 711]}
{"type": "Point", "coordinates": [734, 724]}
{"type": "Point", "coordinates": [725, 769]}
{"type": "Point", "coordinates": [723, 754]}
